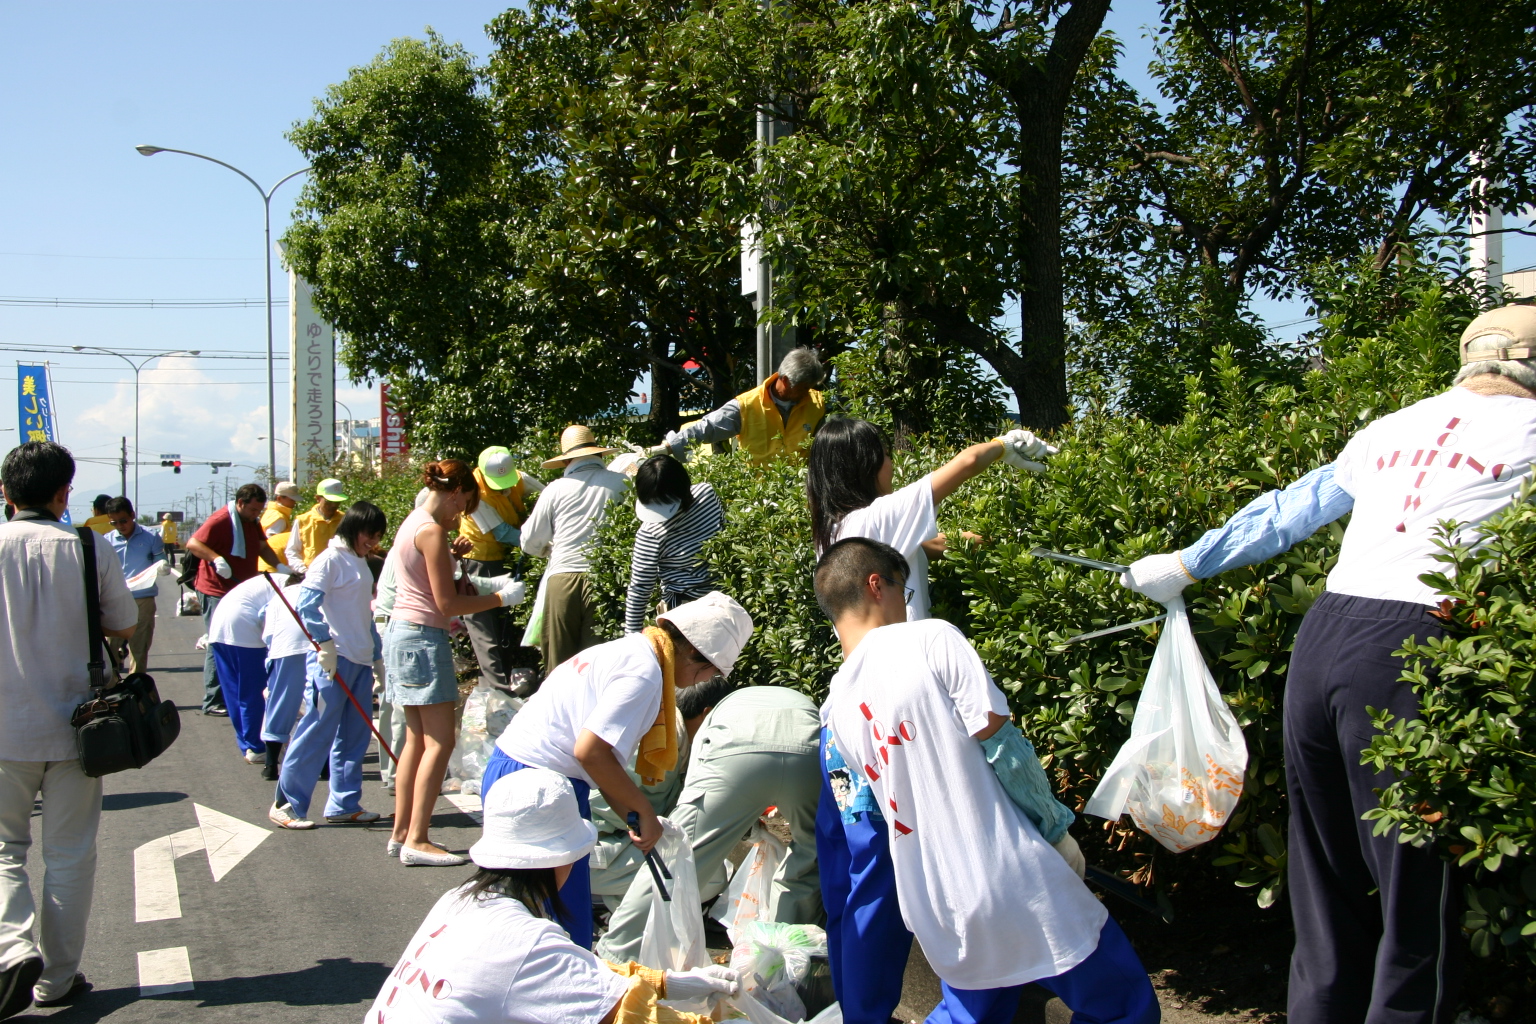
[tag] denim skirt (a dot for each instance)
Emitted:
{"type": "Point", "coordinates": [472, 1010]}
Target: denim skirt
{"type": "Point", "coordinates": [418, 665]}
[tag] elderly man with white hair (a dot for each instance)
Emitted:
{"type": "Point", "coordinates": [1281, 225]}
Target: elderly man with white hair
{"type": "Point", "coordinates": [1377, 921]}
{"type": "Point", "coordinates": [776, 418]}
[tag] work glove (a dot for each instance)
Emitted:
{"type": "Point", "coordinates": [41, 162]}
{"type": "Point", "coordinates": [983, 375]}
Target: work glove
{"type": "Point", "coordinates": [512, 593]}
{"type": "Point", "coordinates": [328, 656]}
{"type": "Point", "coordinates": [378, 676]}
{"type": "Point", "coordinates": [703, 983]}
{"type": "Point", "coordinates": [1067, 847]}
{"type": "Point", "coordinates": [163, 569]}
{"type": "Point", "coordinates": [1160, 577]}
{"type": "Point", "coordinates": [1021, 449]}
{"type": "Point", "coordinates": [284, 570]}
{"type": "Point", "coordinates": [221, 567]}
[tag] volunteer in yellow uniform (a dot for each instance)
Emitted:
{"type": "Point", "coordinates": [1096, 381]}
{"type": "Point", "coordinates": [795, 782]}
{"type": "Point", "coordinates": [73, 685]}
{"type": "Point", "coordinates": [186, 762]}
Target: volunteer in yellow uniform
{"type": "Point", "coordinates": [776, 418]}
{"type": "Point", "coordinates": [168, 538]}
{"type": "Point", "coordinates": [313, 530]}
{"type": "Point", "coordinates": [277, 520]}
{"type": "Point", "coordinates": [98, 520]}
{"type": "Point", "coordinates": [493, 532]}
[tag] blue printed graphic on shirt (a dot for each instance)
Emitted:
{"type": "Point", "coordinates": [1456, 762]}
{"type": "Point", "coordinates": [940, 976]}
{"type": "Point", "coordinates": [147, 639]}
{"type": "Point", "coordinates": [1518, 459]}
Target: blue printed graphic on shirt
{"type": "Point", "coordinates": [849, 788]}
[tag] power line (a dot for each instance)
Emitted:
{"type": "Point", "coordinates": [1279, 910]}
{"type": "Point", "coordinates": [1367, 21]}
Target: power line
{"type": "Point", "coordinates": [82, 256]}
{"type": "Point", "coordinates": [206, 353]}
{"type": "Point", "coordinates": [78, 303]}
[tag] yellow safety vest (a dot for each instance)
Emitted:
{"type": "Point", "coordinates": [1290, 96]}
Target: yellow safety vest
{"type": "Point", "coordinates": [763, 431]}
{"type": "Point", "coordinates": [168, 531]}
{"type": "Point", "coordinates": [279, 545]}
{"type": "Point", "coordinates": [507, 504]}
{"type": "Point", "coordinates": [100, 524]}
{"type": "Point", "coordinates": [314, 533]}
{"type": "Point", "coordinates": [275, 512]}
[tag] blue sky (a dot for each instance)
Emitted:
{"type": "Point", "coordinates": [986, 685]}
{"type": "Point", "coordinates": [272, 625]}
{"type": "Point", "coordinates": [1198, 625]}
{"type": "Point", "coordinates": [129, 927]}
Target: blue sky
{"type": "Point", "coordinates": [84, 216]}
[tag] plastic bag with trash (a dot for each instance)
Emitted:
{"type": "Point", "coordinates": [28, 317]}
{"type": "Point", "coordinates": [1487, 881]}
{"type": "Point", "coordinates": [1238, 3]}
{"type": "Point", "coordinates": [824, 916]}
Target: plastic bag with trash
{"type": "Point", "coordinates": [487, 712]}
{"type": "Point", "coordinates": [757, 1013]}
{"type": "Point", "coordinates": [674, 931]}
{"type": "Point", "coordinates": [773, 960]}
{"type": "Point", "coordinates": [1181, 772]}
{"type": "Point", "coordinates": [750, 891]}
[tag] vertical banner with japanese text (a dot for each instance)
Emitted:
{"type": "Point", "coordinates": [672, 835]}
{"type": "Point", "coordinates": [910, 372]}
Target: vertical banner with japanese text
{"type": "Point", "coordinates": [34, 404]}
{"type": "Point", "coordinates": [312, 385]}
{"type": "Point", "coordinates": [392, 442]}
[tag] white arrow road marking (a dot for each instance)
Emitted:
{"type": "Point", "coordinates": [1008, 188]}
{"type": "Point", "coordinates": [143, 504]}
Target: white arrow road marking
{"type": "Point", "coordinates": [227, 841]}
{"type": "Point", "coordinates": [162, 971]}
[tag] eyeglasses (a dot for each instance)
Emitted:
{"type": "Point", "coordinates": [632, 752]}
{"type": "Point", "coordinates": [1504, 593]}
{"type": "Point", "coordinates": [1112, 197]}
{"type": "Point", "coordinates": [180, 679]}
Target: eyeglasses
{"type": "Point", "coordinates": [906, 590]}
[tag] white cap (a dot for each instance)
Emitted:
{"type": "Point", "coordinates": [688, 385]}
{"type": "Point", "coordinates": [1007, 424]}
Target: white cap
{"type": "Point", "coordinates": [656, 512]}
{"type": "Point", "coordinates": [716, 625]}
{"type": "Point", "coordinates": [532, 821]}
{"type": "Point", "coordinates": [288, 489]}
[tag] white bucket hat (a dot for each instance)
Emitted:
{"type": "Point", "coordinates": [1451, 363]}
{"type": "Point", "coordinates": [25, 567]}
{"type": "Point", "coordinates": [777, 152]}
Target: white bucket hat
{"type": "Point", "coordinates": [532, 821]}
{"type": "Point", "coordinates": [716, 625]}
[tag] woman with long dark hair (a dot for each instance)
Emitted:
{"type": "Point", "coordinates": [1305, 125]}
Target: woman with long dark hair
{"type": "Point", "coordinates": [849, 489]}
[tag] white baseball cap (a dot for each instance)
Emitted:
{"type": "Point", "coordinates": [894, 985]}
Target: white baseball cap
{"type": "Point", "coordinates": [288, 489]}
{"type": "Point", "coordinates": [532, 821]}
{"type": "Point", "coordinates": [717, 626]}
{"type": "Point", "coordinates": [656, 512]}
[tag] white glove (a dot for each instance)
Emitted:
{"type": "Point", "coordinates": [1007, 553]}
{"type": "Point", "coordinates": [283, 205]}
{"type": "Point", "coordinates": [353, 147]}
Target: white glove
{"type": "Point", "coordinates": [703, 983]}
{"type": "Point", "coordinates": [284, 570]}
{"type": "Point", "coordinates": [513, 593]}
{"type": "Point", "coordinates": [1067, 847]}
{"type": "Point", "coordinates": [328, 656]}
{"type": "Point", "coordinates": [1160, 577]}
{"type": "Point", "coordinates": [378, 675]}
{"type": "Point", "coordinates": [163, 569]}
{"type": "Point", "coordinates": [660, 449]}
{"type": "Point", "coordinates": [222, 568]}
{"type": "Point", "coordinates": [1021, 449]}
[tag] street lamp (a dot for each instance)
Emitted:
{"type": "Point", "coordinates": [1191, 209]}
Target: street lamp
{"type": "Point", "coordinates": [266, 256]}
{"type": "Point", "coordinates": [136, 368]}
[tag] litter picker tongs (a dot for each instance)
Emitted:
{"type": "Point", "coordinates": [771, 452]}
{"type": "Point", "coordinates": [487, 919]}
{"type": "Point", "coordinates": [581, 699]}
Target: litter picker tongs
{"type": "Point", "coordinates": [652, 860]}
{"type": "Point", "coordinates": [1094, 563]}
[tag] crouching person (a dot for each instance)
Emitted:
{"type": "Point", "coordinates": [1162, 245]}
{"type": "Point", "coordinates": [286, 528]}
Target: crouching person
{"type": "Point", "coordinates": [490, 952]}
{"type": "Point", "coordinates": [993, 903]}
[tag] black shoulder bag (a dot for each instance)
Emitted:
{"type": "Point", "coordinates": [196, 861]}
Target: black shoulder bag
{"type": "Point", "coordinates": [123, 726]}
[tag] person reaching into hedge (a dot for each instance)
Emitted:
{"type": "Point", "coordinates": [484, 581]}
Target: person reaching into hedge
{"type": "Point", "coordinates": [676, 517]}
{"type": "Point", "coordinates": [848, 486]}
{"type": "Point", "coordinates": [1377, 920]}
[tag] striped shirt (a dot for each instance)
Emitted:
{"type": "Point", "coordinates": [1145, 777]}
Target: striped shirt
{"type": "Point", "coordinates": [669, 554]}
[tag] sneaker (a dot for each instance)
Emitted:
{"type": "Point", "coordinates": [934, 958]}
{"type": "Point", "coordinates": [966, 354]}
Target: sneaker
{"type": "Point", "coordinates": [283, 817]}
{"type": "Point", "coordinates": [256, 757]}
{"type": "Point", "coordinates": [16, 986]}
{"type": "Point", "coordinates": [219, 712]}
{"type": "Point", "coordinates": [269, 772]}
{"type": "Point", "coordinates": [355, 818]}
{"type": "Point", "coordinates": [430, 858]}
{"type": "Point", "coordinates": [392, 848]}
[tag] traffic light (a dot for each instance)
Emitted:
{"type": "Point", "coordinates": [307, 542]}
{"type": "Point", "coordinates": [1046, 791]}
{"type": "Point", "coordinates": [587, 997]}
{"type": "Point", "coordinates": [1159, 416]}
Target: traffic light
{"type": "Point", "coordinates": [175, 464]}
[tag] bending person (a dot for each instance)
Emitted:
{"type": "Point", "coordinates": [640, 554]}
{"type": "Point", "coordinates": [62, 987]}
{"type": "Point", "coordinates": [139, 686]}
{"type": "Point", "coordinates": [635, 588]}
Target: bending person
{"type": "Point", "coordinates": [676, 517]}
{"type": "Point", "coordinates": [613, 702]}
{"type": "Point", "coordinates": [775, 419]}
{"type": "Point", "coordinates": [1375, 916]}
{"type": "Point", "coordinates": [492, 532]}
{"type": "Point", "coordinates": [287, 670]}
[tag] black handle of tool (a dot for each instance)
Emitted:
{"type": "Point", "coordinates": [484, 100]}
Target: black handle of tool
{"type": "Point", "coordinates": [651, 860]}
{"type": "Point", "coordinates": [1117, 886]}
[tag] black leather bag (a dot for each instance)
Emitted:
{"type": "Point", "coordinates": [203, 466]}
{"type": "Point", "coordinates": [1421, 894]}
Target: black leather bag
{"type": "Point", "coordinates": [123, 726]}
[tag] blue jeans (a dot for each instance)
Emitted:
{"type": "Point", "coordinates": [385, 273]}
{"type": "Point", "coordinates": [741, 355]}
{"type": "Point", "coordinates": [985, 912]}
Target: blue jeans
{"type": "Point", "coordinates": [285, 692]}
{"type": "Point", "coordinates": [330, 726]}
{"type": "Point", "coordinates": [576, 893]}
{"type": "Point", "coordinates": [242, 677]}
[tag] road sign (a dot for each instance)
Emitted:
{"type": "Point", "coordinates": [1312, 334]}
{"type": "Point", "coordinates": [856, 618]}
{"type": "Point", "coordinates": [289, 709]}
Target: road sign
{"type": "Point", "coordinates": [226, 840]}
{"type": "Point", "coordinates": [172, 455]}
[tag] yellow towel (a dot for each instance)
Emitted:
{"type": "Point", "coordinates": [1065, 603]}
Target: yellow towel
{"type": "Point", "coordinates": [658, 747]}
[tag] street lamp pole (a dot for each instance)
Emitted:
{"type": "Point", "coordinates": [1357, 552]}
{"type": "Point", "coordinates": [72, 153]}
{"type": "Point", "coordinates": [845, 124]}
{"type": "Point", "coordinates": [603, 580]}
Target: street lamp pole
{"type": "Point", "coordinates": [266, 256]}
{"type": "Point", "coordinates": [136, 368]}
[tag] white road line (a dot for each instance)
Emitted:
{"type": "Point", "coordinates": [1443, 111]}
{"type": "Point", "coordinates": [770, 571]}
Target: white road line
{"type": "Point", "coordinates": [162, 971]}
{"type": "Point", "coordinates": [470, 805]}
{"type": "Point", "coordinates": [155, 894]}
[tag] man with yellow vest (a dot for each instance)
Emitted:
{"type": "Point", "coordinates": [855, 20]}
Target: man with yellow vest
{"type": "Point", "coordinates": [312, 531]}
{"type": "Point", "coordinates": [493, 532]}
{"type": "Point", "coordinates": [277, 520]}
{"type": "Point", "coordinates": [99, 521]}
{"type": "Point", "coordinates": [776, 418]}
{"type": "Point", "coordinates": [168, 539]}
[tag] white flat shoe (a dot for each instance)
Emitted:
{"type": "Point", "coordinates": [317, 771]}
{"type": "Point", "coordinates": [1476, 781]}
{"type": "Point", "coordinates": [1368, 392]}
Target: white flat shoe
{"type": "Point", "coordinates": [424, 859]}
{"type": "Point", "coordinates": [392, 848]}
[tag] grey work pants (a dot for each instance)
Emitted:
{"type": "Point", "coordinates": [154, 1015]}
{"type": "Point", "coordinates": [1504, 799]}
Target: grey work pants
{"type": "Point", "coordinates": [490, 632]}
{"type": "Point", "coordinates": [723, 797]}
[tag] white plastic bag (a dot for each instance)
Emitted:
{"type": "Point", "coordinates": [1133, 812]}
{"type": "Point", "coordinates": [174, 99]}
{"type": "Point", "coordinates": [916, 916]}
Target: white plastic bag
{"type": "Point", "coordinates": [750, 891]}
{"type": "Point", "coordinates": [773, 959]}
{"type": "Point", "coordinates": [674, 931]}
{"type": "Point", "coordinates": [487, 712]}
{"type": "Point", "coordinates": [757, 1013]}
{"type": "Point", "coordinates": [1181, 773]}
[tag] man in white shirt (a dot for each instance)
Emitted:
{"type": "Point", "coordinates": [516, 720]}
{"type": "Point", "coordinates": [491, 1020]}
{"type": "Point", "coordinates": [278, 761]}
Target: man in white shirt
{"type": "Point", "coordinates": [560, 528]}
{"type": "Point", "coordinates": [1378, 922]}
{"type": "Point", "coordinates": [43, 677]}
{"type": "Point", "coordinates": [993, 904]}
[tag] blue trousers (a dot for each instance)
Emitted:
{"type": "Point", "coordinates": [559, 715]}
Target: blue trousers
{"type": "Point", "coordinates": [867, 941]}
{"type": "Point", "coordinates": [331, 727]}
{"type": "Point", "coordinates": [1110, 987]}
{"type": "Point", "coordinates": [576, 893]}
{"type": "Point", "coordinates": [242, 676]}
{"type": "Point", "coordinates": [285, 692]}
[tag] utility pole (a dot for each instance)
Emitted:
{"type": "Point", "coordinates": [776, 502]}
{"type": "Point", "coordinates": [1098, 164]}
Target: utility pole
{"type": "Point", "coordinates": [774, 341]}
{"type": "Point", "coordinates": [123, 463]}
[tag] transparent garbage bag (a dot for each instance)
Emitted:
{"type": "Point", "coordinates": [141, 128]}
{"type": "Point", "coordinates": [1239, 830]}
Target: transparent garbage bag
{"type": "Point", "coordinates": [750, 891]}
{"type": "Point", "coordinates": [487, 712]}
{"type": "Point", "coordinates": [773, 959]}
{"type": "Point", "coordinates": [674, 930]}
{"type": "Point", "coordinates": [1181, 772]}
{"type": "Point", "coordinates": [757, 1013]}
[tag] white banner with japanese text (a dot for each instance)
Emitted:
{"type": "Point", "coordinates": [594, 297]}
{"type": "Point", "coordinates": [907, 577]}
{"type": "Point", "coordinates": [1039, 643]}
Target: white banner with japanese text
{"type": "Point", "coordinates": [312, 385]}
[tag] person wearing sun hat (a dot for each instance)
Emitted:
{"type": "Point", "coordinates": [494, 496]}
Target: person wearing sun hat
{"type": "Point", "coordinates": [492, 532]}
{"type": "Point", "coordinates": [277, 519]}
{"type": "Point", "coordinates": [313, 530]}
{"type": "Point", "coordinates": [560, 528]}
{"type": "Point", "coordinates": [614, 702]}
{"type": "Point", "coordinates": [488, 953]}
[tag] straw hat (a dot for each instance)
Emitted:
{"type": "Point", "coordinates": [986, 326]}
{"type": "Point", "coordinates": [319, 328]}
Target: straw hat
{"type": "Point", "coordinates": [716, 625]}
{"type": "Point", "coordinates": [532, 821]}
{"type": "Point", "coordinates": [575, 442]}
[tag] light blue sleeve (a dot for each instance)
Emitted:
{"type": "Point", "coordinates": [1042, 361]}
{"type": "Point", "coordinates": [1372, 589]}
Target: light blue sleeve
{"type": "Point", "coordinates": [507, 534]}
{"type": "Point", "coordinates": [1269, 524]}
{"type": "Point", "coordinates": [1013, 758]}
{"type": "Point", "coordinates": [721, 425]}
{"type": "Point", "coordinates": [310, 605]}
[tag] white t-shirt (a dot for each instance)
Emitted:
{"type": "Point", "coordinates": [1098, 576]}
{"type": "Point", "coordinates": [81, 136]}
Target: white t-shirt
{"type": "Point", "coordinates": [991, 902]}
{"type": "Point", "coordinates": [236, 621]}
{"type": "Point", "coordinates": [43, 674]}
{"type": "Point", "coordinates": [903, 519]}
{"type": "Point", "coordinates": [280, 632]}
{"type": "Point", "coordinates": [613, 690]}
{"type": "Point", "coordinates": [347, 584]}
{"type": "Point", "coordinates": [1458, 455]}
{"type": "Point", "coordinates": [489, 961]}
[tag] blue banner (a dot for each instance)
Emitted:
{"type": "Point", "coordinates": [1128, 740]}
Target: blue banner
{"type": "Point", "coordinates": [33, 404]}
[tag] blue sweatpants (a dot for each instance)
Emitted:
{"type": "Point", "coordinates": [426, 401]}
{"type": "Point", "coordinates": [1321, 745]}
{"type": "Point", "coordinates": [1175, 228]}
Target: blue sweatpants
{"type": "Point", "coordinates": [867, 941]}
{"type": "Point", "coordinates": [285, 692]}
{"type": "Point", "coordinates": [331, 726]}
{"type": "Point", "coordinates": [1110, 987]}
{"type": "Point", "coordinates": [242, 676]}
{"type": "Point", "coordinates": [576, 893]}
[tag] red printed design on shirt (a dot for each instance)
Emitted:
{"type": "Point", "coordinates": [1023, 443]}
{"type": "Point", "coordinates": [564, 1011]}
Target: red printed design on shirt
{"type": "Point", "coordinates": [411, 977]}
{"type": "Point", "coordinates": [886, 740]}
{"type": "Point", "coordinates": [1425, 461]}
